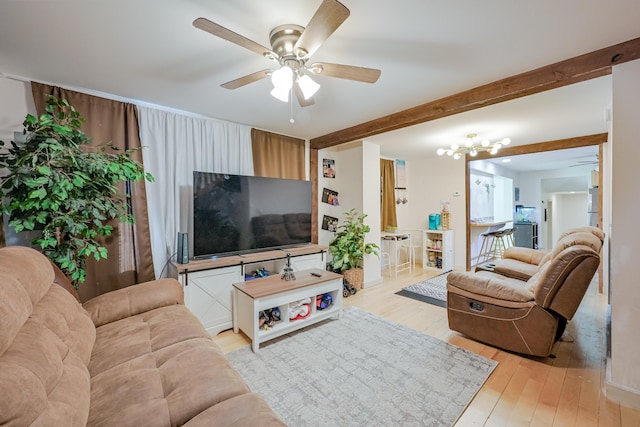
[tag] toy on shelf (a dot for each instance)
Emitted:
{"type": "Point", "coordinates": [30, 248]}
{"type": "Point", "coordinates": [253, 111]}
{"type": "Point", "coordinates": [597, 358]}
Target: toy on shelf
{"type": "Point", "coordinates": [323, 301]}
{"type": "Point", "coordinates": [300, 309]}
{"type": "Point", "coordinates": [268, 318]}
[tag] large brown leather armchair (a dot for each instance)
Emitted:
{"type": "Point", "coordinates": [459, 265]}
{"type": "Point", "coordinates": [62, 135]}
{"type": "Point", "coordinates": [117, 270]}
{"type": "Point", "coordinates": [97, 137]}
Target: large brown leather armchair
{"type": "Point", "coordinates": [525, 316]}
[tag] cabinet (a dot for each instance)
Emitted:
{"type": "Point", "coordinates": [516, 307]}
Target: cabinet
{"type": "Point", "coordinates": [437, 249]}
{"type": "Point", "coordinates": [207, 284]}
{"type": "Point", "coordinates": [525, 235]}
{"type": "Point", "coordinates": [252, 297]}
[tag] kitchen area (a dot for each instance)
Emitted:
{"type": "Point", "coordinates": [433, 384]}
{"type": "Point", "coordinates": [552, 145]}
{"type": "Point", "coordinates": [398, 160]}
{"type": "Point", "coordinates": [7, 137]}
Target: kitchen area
{"type": "Point", "coordinates": [538, 205]}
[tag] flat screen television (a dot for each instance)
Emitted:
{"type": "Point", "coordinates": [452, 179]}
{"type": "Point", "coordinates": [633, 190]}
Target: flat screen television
{"type": "Point", "coordinates": [235, 214]}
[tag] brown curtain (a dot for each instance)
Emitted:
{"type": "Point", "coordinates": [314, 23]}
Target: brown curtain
{"type": "Point", "coordinates": [277, 156]}
{"type": "Point", "coordinates": [130, 259]}
{"type": "Point", "coordinates": [388, 196]}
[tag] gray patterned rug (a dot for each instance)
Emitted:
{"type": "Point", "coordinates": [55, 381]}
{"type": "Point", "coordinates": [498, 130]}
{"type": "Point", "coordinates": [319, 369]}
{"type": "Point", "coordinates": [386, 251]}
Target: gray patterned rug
{"type": "Point", "coordinates": [432, 291]}
{"type": "Point", "coordinates": [363, 370]}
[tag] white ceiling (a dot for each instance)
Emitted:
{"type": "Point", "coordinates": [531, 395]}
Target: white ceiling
{"type": "Point", "coordinates": [148, 51]}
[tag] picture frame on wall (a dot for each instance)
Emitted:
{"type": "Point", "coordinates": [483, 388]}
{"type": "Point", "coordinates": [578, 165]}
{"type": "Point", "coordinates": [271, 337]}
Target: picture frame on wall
{"type": "Point", "coordinates": [329, 223]}
{"type": "Point", "coordinates": [328, 168]}
{"type": "Point", "coordinates": [330, 197]}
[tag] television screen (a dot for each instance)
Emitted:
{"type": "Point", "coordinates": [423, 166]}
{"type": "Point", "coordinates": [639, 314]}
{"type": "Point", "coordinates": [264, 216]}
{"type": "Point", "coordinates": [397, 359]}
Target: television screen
{"type": "Point", "coordinates": [233, 214]}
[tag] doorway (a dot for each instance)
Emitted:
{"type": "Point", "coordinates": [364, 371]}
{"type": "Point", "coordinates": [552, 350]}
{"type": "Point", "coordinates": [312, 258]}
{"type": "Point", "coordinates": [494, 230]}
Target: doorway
{"type": "Point", "coordinates": [551, 149]}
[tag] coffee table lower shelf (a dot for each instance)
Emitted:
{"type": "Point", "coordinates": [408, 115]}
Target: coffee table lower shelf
{"type": "Point", "coordinates": [249, 298]}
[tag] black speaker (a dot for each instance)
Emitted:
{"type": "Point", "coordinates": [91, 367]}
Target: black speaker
{"type": "Point", "coordinates": [183, 248]}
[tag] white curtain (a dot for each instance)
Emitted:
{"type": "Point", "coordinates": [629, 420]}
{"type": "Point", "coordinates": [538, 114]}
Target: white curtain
{"type": "Point", "coordinates": [173, 147]}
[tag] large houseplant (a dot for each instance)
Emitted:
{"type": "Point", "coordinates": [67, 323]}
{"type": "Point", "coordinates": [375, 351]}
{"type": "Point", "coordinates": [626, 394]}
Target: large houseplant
{"type": "Point", "coordinates": [56, 183]}
{"type": "Point", "coordinates": [348, 247]}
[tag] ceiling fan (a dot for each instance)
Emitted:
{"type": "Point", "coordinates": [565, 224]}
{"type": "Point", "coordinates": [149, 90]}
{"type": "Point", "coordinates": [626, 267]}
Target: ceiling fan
{"type": "Point", "coordinates": [587, 162]}
{"type": "Point", "coordinates": [291, 47]}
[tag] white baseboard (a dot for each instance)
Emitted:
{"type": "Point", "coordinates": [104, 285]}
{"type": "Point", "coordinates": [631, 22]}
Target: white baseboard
{"type": "Point", "coordinates": [619, 393]}
{"type": "Point", "coordinates": [371, 283]}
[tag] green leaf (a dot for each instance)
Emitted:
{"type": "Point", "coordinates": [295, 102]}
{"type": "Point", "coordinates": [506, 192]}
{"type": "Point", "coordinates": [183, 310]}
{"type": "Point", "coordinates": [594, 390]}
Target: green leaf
{"type": "Point", "coordinates": [40, 193]}
{"type": "Point", "coordinates": [44, 170]}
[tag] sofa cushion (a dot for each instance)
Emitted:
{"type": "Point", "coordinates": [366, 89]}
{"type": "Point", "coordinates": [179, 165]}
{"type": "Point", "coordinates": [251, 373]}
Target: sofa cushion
{"type": "Point", "coordinates": [577, 238]}
{"type": "Point", "coordinates": [586, 229]}
{"type": "Point", "coordinates": [46, 342]}
{"type": "Point", "coordinates": [158, 368]}
{"type": "Point", "coordinates": [136, 299]}
{"type": "Point", "coordinates": [514, 268]}
{"type": "Point", "coordinates": [235, 412]}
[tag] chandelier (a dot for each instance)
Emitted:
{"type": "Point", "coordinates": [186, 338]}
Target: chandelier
{"type": "Point", "coordinates": [473, 146]}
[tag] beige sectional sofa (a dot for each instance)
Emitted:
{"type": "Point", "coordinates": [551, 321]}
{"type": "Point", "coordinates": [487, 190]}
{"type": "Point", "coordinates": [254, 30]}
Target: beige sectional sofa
{"type": "Point", "coordinates": [133, 357]}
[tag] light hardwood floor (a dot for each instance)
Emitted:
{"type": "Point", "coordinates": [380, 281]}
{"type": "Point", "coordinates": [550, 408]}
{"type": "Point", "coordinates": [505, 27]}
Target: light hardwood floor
{"type": "Point", "coordinates": [562, 391]}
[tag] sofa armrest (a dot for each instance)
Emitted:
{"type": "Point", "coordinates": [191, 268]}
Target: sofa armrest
{"type": "Point", "coordinates": [132, 300]}
{"type": "Point", "coordinates": [490, 285]}
{"type": "Point", "coordinates": [528, 255]}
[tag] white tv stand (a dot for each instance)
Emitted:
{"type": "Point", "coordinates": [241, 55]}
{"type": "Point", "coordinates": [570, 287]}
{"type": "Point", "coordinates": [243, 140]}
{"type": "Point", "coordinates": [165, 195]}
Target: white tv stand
{"type": "Point", "coordinates": [208, 283]}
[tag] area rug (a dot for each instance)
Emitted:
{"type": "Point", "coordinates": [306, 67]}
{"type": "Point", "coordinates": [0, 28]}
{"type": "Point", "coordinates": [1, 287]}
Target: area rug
{"type": "Point", "coordinates": [363, 370]}
{"type": "Point", "coordinates": [432, 291]}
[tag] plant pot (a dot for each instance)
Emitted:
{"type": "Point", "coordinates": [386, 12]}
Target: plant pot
{"type": "Point", "coordinates": [355, 277]}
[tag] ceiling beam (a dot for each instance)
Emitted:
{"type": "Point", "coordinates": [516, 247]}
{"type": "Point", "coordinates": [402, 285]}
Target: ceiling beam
{"type": "Point", "coordinates": [563, 73]}
{"type": "Point", "coordinates": [559, 144]}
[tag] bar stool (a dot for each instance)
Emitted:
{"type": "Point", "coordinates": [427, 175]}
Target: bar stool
{"type": "Point", "coordinates": [382, 256]}
{"type": "Point", "coordinates": [411, 253]}
{"type": "Point", "coordinates": [486, 247]}
{"type": "Point", "coordinates": [501, 241]}
{"type": "Point", "coordinates": [395, 240]}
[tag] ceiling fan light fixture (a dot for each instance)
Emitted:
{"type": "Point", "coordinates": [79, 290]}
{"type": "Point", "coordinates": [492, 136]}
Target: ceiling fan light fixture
{"type": "Point", "coordinates": [307, 86]}
{"type": "Point", "coordinates": [282, 78]}
{"type": "Point", "coordinates": [281, 94]}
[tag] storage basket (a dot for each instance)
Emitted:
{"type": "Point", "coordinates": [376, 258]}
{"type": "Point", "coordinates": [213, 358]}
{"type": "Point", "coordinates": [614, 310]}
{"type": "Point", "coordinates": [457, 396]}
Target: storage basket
{"type": "Point", "coordinates": [444, 220]}
{"type": "Point", "coordinates": [355, 277]}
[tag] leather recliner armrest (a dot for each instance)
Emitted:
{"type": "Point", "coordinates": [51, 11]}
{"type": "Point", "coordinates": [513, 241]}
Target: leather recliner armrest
{"type": "Point", "coordinates": [528, 255]}
{"type": "Point", "coordinates": [490, 285]}
{"type": "Point", "coordinates": [132, 300]}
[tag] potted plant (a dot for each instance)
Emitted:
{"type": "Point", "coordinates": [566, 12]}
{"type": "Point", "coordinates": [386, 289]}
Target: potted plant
{"type": "Point", "coordinates": [348, 248]}
{"type": "Point", "coordinates": [57, 184]}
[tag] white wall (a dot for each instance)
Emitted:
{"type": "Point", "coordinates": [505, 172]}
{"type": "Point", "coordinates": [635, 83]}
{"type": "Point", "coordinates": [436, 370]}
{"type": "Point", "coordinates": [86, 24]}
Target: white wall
{"type": "Point", "coordinates": [536, 187]}
{"type": "Point", "coordinates": [624, 374]}
{"type": "Point", "coordinates": [430, 180]}
{"type": "Point", "coordinates": [569, 211]}
{"type": "Point", "coordinates": [16, 102]}
{"type": "Point", "coordinates": [371, 206]}
{"type": "Point", "coordinates": [358, 187]}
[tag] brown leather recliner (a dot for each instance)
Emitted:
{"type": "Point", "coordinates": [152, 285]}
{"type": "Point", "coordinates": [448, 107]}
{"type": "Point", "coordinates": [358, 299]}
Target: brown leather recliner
{"type": "Point", "coordinates": [525, 316]}
{"type": "Point", "coordinates": [522, 263]}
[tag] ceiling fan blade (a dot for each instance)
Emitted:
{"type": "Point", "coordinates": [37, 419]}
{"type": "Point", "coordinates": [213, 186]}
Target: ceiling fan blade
{"type": "Point", "coordinates": [219, 31]}
{"type": "Point", "coordinates": [300, 96]}
{"type": "Point", "coordinates": [245, 80]}
{"type": "Point", "coordinates": [329, 16]}
{"type": "Point", "coordinates": [360, 74]}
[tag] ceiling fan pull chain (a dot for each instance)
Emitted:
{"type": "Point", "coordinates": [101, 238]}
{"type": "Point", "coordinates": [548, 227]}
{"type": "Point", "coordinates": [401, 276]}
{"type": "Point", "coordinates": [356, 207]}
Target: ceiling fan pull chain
{"type": "Point", "coordinates": [291, 120]}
